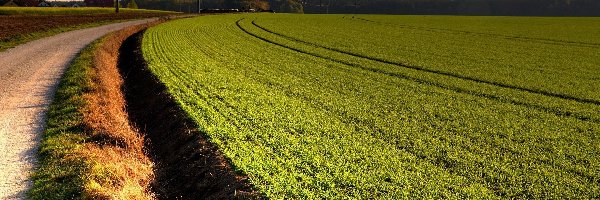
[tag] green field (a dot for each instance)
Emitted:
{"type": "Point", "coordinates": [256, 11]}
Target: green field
{"type": "Point", "coordinates": [343, 106]}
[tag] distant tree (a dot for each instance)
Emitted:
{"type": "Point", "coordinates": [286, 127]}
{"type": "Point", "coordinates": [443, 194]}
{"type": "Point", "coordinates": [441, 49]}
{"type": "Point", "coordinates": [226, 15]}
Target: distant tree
{"type": "Point", "coordinates": [27, 3]}
{"type": "Point", "coordinates": [99, 3]}
{"type": "Point", "coordinates": [254, 4]}
{"type": "Point", "coordinates": [287, 6]}
{"type": "Point", "coordinates": [447, 7]}
{"type": "Point", "coordinates": [132, 4]}
{"type": "Point", "coordinates": [214, 3]}
{"type": "Point", "coordinates": [192, 5]}
{"type": "Point", "coordinates": [457, 7]}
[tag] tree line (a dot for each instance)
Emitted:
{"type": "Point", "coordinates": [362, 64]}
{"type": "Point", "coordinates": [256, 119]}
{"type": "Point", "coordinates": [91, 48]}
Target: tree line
{"type": "Point", "coordinates": [293, 6]}
{"type": "Point", "coordinates": [458, 7]}
{"type": "Point", "coordinates": [445, 7]}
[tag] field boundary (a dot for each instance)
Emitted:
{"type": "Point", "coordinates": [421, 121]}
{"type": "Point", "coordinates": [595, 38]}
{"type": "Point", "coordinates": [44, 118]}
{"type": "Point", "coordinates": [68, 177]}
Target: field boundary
{"type": "Point", "coordinates": [423, 81]}
{"type": "Point", "coordinates": [14, 34]}
{"type": "Point", "coordinates": [187, 165]}
{"type": "Point", "coordinates": [88, 150]}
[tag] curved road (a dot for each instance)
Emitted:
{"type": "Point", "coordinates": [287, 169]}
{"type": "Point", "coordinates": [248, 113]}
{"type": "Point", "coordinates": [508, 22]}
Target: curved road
{"type": "Point", "coordinates": [29, 75]}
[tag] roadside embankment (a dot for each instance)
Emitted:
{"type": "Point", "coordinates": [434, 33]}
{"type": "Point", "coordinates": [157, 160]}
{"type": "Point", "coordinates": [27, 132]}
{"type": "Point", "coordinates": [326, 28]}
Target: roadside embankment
{"type": "Point", "coordinates": [93, 149]}
{"type": "Point", "coordinates": [89, 149]}
{"type": "Point", "coordinates": [187, 165]}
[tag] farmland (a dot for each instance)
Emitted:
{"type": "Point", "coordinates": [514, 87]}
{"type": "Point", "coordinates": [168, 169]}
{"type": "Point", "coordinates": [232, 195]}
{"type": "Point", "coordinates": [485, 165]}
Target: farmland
{"type": "Point", "coordinates": [70, 11]}
{"type": "Point", "coordinates": [20, 25]}
{"type": "Point", "coordinates": [350, 106]}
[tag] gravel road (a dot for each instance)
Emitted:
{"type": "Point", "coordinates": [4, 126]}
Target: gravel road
{"type": "Point", "coordinates": [29, 75]}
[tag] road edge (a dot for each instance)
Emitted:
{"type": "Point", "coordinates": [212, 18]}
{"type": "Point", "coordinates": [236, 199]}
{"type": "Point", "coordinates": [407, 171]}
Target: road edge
{"type": "Point", "coordinates": [81, 155]}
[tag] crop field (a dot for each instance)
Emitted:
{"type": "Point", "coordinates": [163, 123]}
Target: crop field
{"type": "Point", "coordinates": [385, 107]}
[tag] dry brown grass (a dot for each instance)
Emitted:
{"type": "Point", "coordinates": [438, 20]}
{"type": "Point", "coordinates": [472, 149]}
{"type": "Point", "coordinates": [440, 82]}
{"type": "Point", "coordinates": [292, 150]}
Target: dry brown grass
{"type": "Point", "coordinates": [119, 167]}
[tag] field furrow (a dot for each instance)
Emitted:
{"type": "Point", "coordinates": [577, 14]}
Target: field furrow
{"type": "Point", "coordinates": [474, 79]}
{"type": "Point", "coordinates": [579, 111]}
{"type": "Point", "coordinates": [559, 71]}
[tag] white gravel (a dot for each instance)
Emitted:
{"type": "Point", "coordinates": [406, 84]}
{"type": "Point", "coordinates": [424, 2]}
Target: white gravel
{"type": "Point", "coordinates": [29, 75]}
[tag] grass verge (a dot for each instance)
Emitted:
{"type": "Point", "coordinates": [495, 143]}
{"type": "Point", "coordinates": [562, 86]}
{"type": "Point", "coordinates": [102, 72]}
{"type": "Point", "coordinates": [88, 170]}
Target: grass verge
{"type": "Point", "coordinates": [89, 150]}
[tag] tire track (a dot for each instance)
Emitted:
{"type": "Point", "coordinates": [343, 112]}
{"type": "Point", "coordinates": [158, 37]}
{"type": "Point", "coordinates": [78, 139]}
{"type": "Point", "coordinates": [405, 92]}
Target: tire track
{"type": "Point", "coordinates": [554, 111]}
{"type": "Point", "coordinates": [439, 72]}
{"type": "Point", "coordinates": [438, 161]}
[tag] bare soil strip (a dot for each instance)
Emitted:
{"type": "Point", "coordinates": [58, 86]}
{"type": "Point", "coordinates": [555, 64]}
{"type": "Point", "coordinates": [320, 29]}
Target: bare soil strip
{"type": "Point", "coordinates": [16, 25]}
{"type": "Point", "coordinates": [29, 75]}
{"type": "Point", "coordinates": [187, 165]}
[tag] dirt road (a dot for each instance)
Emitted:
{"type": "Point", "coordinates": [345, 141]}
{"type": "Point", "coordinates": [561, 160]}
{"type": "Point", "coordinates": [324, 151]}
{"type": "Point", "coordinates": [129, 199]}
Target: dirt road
{"type": "Point", "coordinates": [29, 75]}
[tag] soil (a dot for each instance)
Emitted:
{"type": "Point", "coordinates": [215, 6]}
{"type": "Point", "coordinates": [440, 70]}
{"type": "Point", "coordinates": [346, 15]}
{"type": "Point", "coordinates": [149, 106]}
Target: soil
{"type": "Point", "coordinates": [188, 166]}
{"type": "Point", "coordinates": [12, 26]}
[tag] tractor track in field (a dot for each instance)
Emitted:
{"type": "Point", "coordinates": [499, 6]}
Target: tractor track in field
{"type": "Point", "coordinates": [440, 161]}
{"type": "Point", "coordinates": [436, 160]}
{"type": "Point", "coordinates": [554, 111]}
{"type": "Point", "coordinates": [29, 75]}
{"type": "Point", "coordinates": [508, 37]}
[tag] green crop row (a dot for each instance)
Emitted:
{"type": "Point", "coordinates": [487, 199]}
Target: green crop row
{"type": "Point", "coordinates": [314, 106]}
{"type": "Point", "coordinates": [563, 64]}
